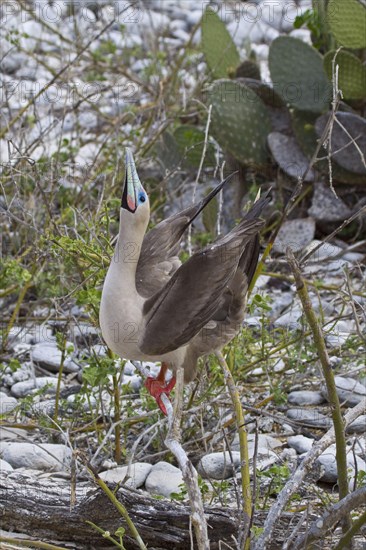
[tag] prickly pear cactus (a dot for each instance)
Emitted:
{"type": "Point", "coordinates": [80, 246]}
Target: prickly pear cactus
{"type": "Point", "coordinates": [347, 21]}
{"type": "Point", "coordinates": [220, 52]}
{"type": "Point", "coordinates": [351, 75]}
{"type": "Point", "coordinates": [240, 121]}
{"type": "Point", "coordinates": [298, 75]}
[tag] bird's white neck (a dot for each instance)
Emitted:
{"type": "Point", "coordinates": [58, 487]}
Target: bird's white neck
{"type": "Point", "coordinates": [127, 252]}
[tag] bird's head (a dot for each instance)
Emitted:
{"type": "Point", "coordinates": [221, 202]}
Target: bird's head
{"type": "Point", "coordinates": [135, 202]}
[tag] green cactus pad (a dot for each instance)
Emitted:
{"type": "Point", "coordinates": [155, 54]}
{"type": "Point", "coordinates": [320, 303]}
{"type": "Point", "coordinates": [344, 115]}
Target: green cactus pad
{"type": "Point", "coordinates": [345, 152]}
{"type": "Point", "coordinates": [298, 75]}
{"type": "Point", "coordinates": [190, 141]}
{"type": "Point", "coordinates": [347, 21]}
{"type": "Point", "coordinates": [351, 75]}
{"type": "Point", "coordinates": [220, 52]}
{"type": "Point", "coordinates": [240, 121]}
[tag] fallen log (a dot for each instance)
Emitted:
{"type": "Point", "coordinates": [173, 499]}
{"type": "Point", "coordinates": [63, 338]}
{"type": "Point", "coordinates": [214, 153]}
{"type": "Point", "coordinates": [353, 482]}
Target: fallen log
{"type": "Point", "coordinates": [41, 507]}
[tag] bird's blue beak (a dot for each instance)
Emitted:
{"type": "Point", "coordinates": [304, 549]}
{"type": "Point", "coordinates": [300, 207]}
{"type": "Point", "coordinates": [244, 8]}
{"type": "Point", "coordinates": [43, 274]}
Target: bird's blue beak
{"type": "Point", "coordinates": [133, 187]}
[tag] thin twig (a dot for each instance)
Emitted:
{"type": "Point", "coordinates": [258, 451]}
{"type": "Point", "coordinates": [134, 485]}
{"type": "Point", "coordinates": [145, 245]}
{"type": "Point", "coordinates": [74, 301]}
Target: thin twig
{"type": "Point", "coordinates": [189, 472]}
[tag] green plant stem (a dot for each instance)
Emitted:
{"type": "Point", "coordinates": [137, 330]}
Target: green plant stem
{"type": "Point", "coordinates": [339, 430]}
{"type": "Point", "coordinates": [30, 543]}
{"type": "Point", "coordinates": [59, 380]}
{"type": "Point", "coordinates": [243, 445]}
{"type": "Point", "coordinates": [117, 417]}
{"type": "Point", "coordinates": [347, 538]}
{"type": "Point", "coordinates": [105, 535]}
{"type": "Point", "coordinates": [118, 505]}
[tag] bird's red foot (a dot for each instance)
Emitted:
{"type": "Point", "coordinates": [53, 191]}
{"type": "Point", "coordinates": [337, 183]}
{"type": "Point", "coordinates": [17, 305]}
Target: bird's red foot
{"type": "Point", "coordinates": [156, 388]}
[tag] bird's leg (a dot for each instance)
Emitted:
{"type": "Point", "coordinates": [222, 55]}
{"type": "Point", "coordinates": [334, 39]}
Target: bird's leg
{"type": "Point", "coordinates": [157, 386]}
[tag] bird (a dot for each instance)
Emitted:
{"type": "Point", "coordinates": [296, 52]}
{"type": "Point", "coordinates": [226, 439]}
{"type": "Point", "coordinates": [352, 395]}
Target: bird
{"type": "Point", "coordinates": [155, 308]}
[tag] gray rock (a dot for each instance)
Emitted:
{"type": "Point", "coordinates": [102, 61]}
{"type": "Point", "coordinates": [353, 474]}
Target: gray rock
{"type": "Point", "coordinates": [328, 461]}
{"type": "Point", "coordinates": [46, 456]}
{"type": "Point", "coordinates": [305, 36]}
{"type": "Point", "coordinates": [300, 443]}
{"type": "Point", "coordinates": [178, 25]}
{"type": "Point", "coordinates": [295, 233]}
{"type": "Point", "coordinates": [49, 356]}
{"type": "Point", "coordinates": [265, 458]}
{"type": "Point", "coordinates": [134, 381]}
{"type": "Point", "coordinates": [137, 475]}
{"type": "Point", "coordinates": [89, 121]}
{"type": "Point", "coordinates": [309, 418]}
{"type": "Point", "coordinates": [194, 17]}
{"type": "Point", "coordinates": [7, 403]}
{"type": "Point", "coordinates": [21, 389]}
{"type": "Point", "coordinates": [326, 206]}
{"type": "Point", "coordinates": [219, 465]}
{"type": "Point", "coordinates": [148, 23]}
{"type": "Point", "coordinates": [290, 319]}
{"type": "Point", "coordinates": [45, 407]}
{"type": "Point", "coordinates": [305, 397]}
{"type": "Point", "coordinates": [23, 373]}
{"type": "Point", "coordinates": [280, 303]}
{"type": "Point", "coordinates": [350, 392]}
{"type": "Point", "coordinates": [336, 340]}
{"type": "Point", "coordinates": [82, 333]}
{"type": "Point", "coordinates": [81, 400]}
{"type": "Point", "coordinates": [30, 33]}
{"type": "Point", "coordinates": [12, 434]}
{"type": "Point", "coordinates": [5, 466]}
{"type": "Point", "coordinates": [129, 369]}
{"type": "Point", "coordinates": [164, 479]}
{"type": "Point", "coordinates": [264, 441]}
{"type": "Point", "coordinates": [12, 62]}
{"type": "Point", "coordinates": [358, 426]}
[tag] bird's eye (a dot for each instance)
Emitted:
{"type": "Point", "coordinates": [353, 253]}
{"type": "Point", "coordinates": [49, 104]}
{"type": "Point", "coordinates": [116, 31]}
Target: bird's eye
{"type": "Point", "coordinates": [142, 198]}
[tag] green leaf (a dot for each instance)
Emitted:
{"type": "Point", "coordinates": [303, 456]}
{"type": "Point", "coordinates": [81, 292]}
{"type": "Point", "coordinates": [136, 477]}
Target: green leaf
{"type": "Point", "coordinates": [220, 52]}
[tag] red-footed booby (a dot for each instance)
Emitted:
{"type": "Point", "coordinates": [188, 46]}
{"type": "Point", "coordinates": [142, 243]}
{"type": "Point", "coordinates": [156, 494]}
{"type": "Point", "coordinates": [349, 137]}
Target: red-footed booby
{"type": "Point", "coordinates": [154, 308]}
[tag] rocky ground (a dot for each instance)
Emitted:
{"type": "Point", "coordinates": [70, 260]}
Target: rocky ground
{"type": "Point", "coordinates": [79, 101]}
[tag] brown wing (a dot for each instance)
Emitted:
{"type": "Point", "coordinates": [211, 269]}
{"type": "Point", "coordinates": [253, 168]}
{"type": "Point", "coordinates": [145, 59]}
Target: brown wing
{"type": "Point", "coordinates": [158, 259]}
{"type": "Point", "coordinates": [195, 292]}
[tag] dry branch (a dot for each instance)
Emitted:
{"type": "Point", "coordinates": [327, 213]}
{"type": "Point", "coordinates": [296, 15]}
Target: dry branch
{"type": "Point", "coordinates": [293, 484]}
{"type": "Point", "coordinates": [333, 515]}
